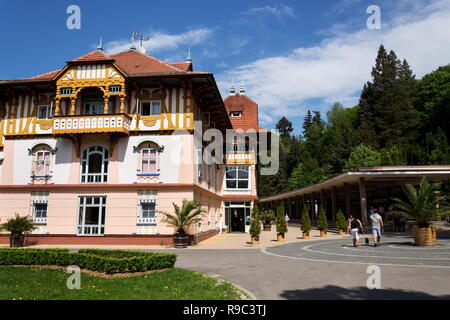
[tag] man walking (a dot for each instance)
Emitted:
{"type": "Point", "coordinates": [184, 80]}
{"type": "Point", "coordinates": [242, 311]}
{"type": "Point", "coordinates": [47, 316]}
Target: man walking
{"type": "Point", "coordinates": [377, 227]}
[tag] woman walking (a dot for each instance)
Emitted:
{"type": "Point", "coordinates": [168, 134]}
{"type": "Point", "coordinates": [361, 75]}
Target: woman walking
{"type": "Point", "coordinates": [353, 227]}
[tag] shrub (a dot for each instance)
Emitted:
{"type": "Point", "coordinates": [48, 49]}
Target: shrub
{"type": "Point", "coordinates": [341, 223]}
{"type": "Point", "coordinates": [305, 222]}
{"type": "Point", "coordinates": [255, 224]}
{"type": "Point", "coordinates": [267, 216]}
{"type": "Point", "coordinates": [280, 219]}
{"type": "Point", "coordinates": [106, 261]}
{"type": "Point", "coordinates": [322, 223]}
{"type": "Point", "coordinates": [18, 225]}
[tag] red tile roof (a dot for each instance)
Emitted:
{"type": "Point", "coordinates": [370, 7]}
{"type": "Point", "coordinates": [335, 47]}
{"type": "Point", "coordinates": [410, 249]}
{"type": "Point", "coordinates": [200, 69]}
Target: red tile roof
{"type": "Point", "coordinates": [249, 109]}
{"type": "Point", "coordinates": [96, 55]}
{"type": "Point", "coordinates": [132, 62]}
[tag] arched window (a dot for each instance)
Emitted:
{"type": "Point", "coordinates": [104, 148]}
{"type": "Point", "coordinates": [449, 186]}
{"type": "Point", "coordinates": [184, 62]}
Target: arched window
{"type": "Point", "coordinates": [94, 165]}
{"type": "Point", "coordinates": [42, 155]}
{"type": "Point", "coordinates": [149, 159]}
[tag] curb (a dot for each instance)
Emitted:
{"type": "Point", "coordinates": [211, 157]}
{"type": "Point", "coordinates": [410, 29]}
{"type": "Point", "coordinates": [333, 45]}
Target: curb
{"type": "Point", "coordinates": [248, 293]}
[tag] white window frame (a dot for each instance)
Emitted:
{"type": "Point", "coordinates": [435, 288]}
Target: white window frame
{"type": "Point", "coordinates": [46, 163]}
{"type": "Point", "coordinates": [152, 107]}
{"type": "Point", "coordinates": [48, 112]}
{"type": "Point", "coordinates": [236, 114]}
{"type": "Point", "coordinates": [84, 229]}
{"type": "Point", "coordinates": [101, 177]}
{"type": "Point", "coordinates": [149, 159]}
{"type": "Point", "coordinates": [237, 179]}
{"type": "Point", "coordinates": [35, 211]}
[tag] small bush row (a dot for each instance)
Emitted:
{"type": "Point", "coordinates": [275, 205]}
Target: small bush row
{"type": "Point", "coordinates": [94, 260]}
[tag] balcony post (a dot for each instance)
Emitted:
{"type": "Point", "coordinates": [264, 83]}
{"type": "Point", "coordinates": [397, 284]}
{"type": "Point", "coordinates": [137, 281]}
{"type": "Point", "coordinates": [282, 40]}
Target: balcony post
{"type": "Point", "coordinates": [122, 104]}
{"type": "Point", "coordinates": [105, 108]}
{"type": "Point", "coordinates": [57, 107]}
{"type": "Point", "coordinates": [73, 103]}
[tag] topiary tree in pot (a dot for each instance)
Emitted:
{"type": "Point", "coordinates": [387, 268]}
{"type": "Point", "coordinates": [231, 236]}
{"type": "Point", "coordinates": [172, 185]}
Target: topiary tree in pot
{"type": "Point", "coordinates": [280, 222]}
{"type": "Point", "coordinates": [423, 204]}
{"type": "Point", "coordinates": [188, 214]}
{"type": "Point", "coordinates": [305, 223]}
{"type": "Point", "coordinates": [17, 226]}
{"type": "Point", "coordinates": [341, 223]}
{"type": "Point", "coordinates": [322, 223]}
{"type": "Point", "coordinates": [267, 217]}
{"type": "Point", "coordinates": [255, 224]}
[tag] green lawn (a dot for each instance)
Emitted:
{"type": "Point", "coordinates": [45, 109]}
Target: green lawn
{"type": "Point", "coordinates": [39, 283]}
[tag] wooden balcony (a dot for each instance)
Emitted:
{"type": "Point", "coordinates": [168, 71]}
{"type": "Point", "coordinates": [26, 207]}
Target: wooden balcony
{"type": "Point", "coordinates": [101, 123]}
{"type": "Point", "coordinates": [240, 157]}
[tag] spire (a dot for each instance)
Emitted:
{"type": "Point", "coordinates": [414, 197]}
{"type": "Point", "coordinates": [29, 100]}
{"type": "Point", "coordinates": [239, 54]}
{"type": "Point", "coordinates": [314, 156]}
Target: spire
{"type": "Point", "coordinates": [100, 46]}
{"type": "Point", "coordinates": [189, 58]}
{"type": "Point", "coordinates": [242, 88]}
{"type": "Point", "coordinates": [133, 37]}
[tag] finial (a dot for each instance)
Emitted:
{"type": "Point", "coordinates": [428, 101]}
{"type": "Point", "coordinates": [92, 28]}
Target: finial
{"type": "Point", "coordinates": [100, 47]}
{"type": "Point", "coordinates": [242, 88]}
{"type": "Point", "coordinates": [189, 58]}
{"type": "Point", "coordinates": [232, 88]}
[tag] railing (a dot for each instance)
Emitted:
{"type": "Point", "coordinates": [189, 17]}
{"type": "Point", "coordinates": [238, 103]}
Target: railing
{"type": "Point", "coordinates": [240, 157]}
{"type": "Point", "coordinates": [39, 220]}
{"type": "Point", "coordinates": [91, 230]}
{"type": "Point", "coordinates": [92, 123]}
{"type": "Point", "coordinates": [146, 220]}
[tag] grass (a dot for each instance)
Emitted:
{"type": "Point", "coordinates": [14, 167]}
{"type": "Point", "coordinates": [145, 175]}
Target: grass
{"type": "Point", "coordinates": [30, 283]}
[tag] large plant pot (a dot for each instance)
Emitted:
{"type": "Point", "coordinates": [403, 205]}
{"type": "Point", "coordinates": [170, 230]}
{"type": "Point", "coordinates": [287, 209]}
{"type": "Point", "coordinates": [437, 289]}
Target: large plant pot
{"type": "Point", "coordinates": [305, 235]}
{"type": "Point", "coordinates": [16, 241]}
{"type": "Point", "coordinates": [425, 236]}
{"type": "Point", "coordinates": [267, 227]}
{"type": "Point", "coordinates": [180, 240]}
{"type": "Point", "coordinates": [323, 233]}
{"type": "Point", "coordinates": [341, 232]}
{"type": "Point", "coordinates": [280, 237]}
{"type": "Point", "coordinates": [255, 239]}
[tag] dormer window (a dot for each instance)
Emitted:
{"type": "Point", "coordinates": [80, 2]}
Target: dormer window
{"type": "Point", "coordinates": [66, 91]}
{"type": "Point", "coordinates": [151, 108]}
{"type": "Point", "coordinates": [236, 114]}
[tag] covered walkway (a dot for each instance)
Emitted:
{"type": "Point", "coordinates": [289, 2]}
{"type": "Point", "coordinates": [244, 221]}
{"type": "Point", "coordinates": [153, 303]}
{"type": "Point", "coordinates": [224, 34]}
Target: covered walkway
{"type": "Point", "coordinates": [354, 192]}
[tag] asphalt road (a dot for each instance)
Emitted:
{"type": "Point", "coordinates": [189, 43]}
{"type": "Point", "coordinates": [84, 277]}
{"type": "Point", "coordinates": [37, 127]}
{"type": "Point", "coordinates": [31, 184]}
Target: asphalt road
{"type": "Point", "coordinates": [329, 269]}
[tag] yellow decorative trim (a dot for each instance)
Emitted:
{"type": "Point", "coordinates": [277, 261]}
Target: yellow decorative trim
{"type": "Point", "coordinates": [45, 124]}
{"type": "Point", "coordinates": [149, 123]}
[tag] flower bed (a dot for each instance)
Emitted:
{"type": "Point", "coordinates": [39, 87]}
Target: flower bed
{"type": "Point", "coordinates": [106, 261]}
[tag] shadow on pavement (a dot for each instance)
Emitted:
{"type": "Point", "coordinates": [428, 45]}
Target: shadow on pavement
{"type": "Point", "coordinates": [358, 293]}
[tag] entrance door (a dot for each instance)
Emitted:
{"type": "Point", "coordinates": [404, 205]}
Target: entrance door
{"type": "Point", "coordinates": [93, 108]}
{"type": "Point", "coordinates": [237, 216]}
{"type": "Point", "coordinates": [91, 218]}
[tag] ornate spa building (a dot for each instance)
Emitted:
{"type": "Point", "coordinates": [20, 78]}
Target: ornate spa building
{"type": "Point", "coordinates": [93, 151]}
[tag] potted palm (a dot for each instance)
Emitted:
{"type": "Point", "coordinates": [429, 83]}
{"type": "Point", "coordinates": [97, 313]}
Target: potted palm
{"type": "Point", "coordinates": [255, 225]}
{"type": "Point", "coordinates": [267, 217]}
{"type": "Point", "coordinates": [341, 224]}
{"type": "Point", "coordinates": [17, 226]}
{"type": "Point", "coordinates": [305, 223]}
{"type": "Point", "coordinates": [280, 222]}
{"type": "Point", "coordinates": [190, 213]}
{"type": "Point", "coordinates": [322, 223]}
{"type": "Point", "coordinates": [422, 204]}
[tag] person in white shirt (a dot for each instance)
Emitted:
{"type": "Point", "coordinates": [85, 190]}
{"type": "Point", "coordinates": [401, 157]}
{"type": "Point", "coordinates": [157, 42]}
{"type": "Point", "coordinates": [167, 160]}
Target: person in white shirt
{"type": "Point", "coordinates": [377, 227]}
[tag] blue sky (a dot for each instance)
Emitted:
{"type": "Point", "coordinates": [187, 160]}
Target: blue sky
{"type": "Point", "coordinates": [292, 55]}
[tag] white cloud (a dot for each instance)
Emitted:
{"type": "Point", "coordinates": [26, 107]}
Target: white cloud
{"type": "Point", "coordinates": [159, 41]}
{"type": "Point", "coordinates": [278, 11]}
{"type": "Point", "coordinates": [337, 67]}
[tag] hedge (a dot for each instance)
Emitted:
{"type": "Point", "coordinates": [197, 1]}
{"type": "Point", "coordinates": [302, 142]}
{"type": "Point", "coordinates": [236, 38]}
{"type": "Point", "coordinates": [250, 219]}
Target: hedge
{"type": "Point", "coordinates": [105, 261]}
